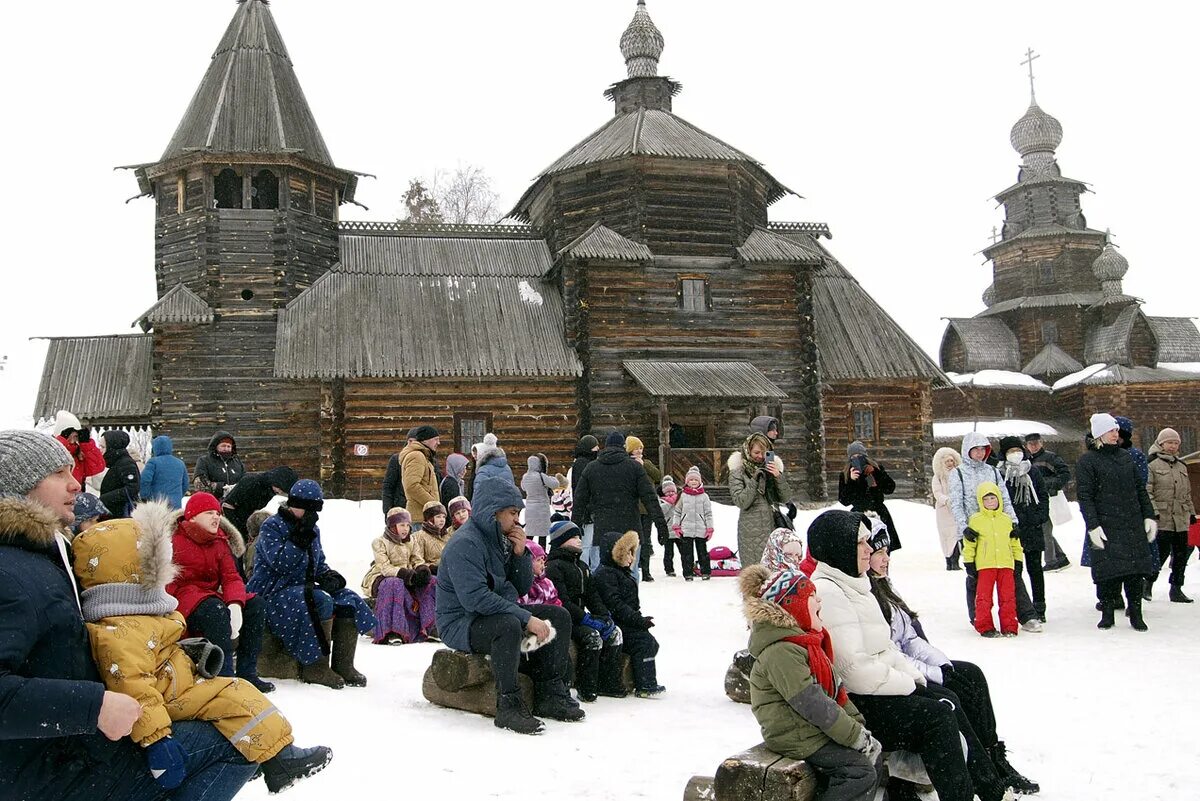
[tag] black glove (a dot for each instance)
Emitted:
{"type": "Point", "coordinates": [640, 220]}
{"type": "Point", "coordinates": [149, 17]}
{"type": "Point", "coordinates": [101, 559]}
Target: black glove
{"type": "Point", "coordinates": [303, 537]}
{"type": "Point", "coordinates": [648, 622]}
{"type": "Point", "coordinates": [792, 511]}
{"type": "Point", "coordinates": [970, 568]}
{"type": "Point", "coordinates": [421, 576]}
{"type": "Point", "coordinates": [970, 534]}
{"type": "Point", "coordinates": [405, 575]}
{"type": "Point", "coordinates": [662, 539]}
{"type": "Point", "coordinates": [947, 671]}
{"type": "Point", "coordinates": [1192, 522]}
{"type": "Point", "coordinates": [331, 581]}
{"type": "Point", "coordinates": [85, 434]}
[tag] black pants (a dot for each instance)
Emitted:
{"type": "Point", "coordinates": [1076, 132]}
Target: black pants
{"type": "Point", "coordinates": [970, 685]}
{"type": "Point", "coordinates": [847, 774]}
{"type": "Point", "coordinates": [1109, 591]}
{"type": "Point", "coordinates": [1025, 607]}
{"type": "Point", "coordinates": [210, 620]}
{"type": "Point", "coordinates": [500, 637]}
{"type": "Point", "coordinates": [1173, 545]}
{"type": "Point", "coordinates": [700, 546]}
{"type": "Point", "coordinates": [1037, 581]}
{"type": "Point", "coordinates": [669, 556]}
{"type": "Point", "coordinates": [642, 649]}
{"type": "Point", "coordinates": [647, 547]}
{"type": "Point", "coordinates": [598, 662]}
{"type": "Point", "coordinates": [926, 726]}
{"type": "Point", "coordinates": [984, 777]}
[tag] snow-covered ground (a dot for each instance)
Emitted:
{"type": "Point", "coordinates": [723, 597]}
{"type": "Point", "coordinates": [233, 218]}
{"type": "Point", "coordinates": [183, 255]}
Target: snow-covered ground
{"type": "Point", "coordinates": [1103, 716]}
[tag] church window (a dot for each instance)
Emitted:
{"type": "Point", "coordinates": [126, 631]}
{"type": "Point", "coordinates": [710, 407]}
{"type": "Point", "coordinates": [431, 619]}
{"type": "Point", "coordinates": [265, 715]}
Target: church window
{"type": "Point", "coordinates": [865, 424]}
{"type": "Point", "coordinates": [469, 428]}
{"type": "Point", "coordinates": [264, 190]}
{"type": "Point", "coordinates": [693, 294]}
{"type": "Point", "coordinates": [1049, 332]}
{"type": "Point", "coordinates": [1008, 412]}
{"type": "Point", "coordinates": [1046, 269]}
{"type": "Point", "coordinates": [227, 189]}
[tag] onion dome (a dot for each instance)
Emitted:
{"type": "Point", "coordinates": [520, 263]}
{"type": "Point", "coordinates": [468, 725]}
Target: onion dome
{"type": "Point", "coordinates": [989, 295]}
{"type": "Point", "coordinates": [642, 44]}
{"type": "Point", "coordinates": [1036, 132]}
{"type": "Point", "coordinates": [1110, 265]}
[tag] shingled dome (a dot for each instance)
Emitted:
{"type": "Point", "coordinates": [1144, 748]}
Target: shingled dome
{"type": "Point", "coordinates": [1110, 265]}
{"type": "Point", "coordinates": [1036, 132]}
{"type": "Point", "coordinates": [642, 44]}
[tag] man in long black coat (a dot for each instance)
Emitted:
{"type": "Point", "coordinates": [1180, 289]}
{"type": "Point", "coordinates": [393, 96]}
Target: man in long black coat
{"type": "Point", "coordinates": [610, 490]}
{"type": "Point", "coordinates": [1057, 474]}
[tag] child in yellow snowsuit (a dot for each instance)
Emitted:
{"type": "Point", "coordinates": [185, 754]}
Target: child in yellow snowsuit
{"type": "Point", "coordinates": [123, 567]}
{"type": "Point", "coordinates": [992, 548]}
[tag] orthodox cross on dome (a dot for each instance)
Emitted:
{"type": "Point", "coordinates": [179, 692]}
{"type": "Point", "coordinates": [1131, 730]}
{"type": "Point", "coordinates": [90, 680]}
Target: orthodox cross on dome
{"type": "Point", "coordinates": [1029, 57]}
{"type": "Point", "coordinates": [995, 235]}
{"type": "Point", "coordinates": [1108, 238]}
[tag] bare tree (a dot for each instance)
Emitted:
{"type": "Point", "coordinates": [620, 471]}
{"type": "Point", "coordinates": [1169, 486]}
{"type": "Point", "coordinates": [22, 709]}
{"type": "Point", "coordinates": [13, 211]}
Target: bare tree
{"type": "Point", "coordinates": [419, 204]}
{"type": "Point", "coordinates": [465, 195]}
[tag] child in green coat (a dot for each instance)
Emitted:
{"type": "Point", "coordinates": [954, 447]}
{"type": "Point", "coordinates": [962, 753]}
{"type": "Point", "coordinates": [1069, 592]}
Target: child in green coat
{"type": "Point", "coordinates": [992, 549]}
{"type": "Point", "coordinates": [800, 705]}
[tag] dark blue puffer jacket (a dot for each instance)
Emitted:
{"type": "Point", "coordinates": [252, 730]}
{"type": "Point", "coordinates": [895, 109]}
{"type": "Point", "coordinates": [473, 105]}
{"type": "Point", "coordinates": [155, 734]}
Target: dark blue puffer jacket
{"type": "Point", "coordinates": [165, 476]}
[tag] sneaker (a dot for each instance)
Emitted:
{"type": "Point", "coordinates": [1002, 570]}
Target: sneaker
{"type": "Point", "coordinates": [293, 764]}
{"type": "Point", "coordinates": [1033, 625]}
{"type": "Point", "coordinates": [990, 633]}
{"type": "Point", "coordinates": [1009, 634]}
{"type": "Point", "coordinates": [650, 692]}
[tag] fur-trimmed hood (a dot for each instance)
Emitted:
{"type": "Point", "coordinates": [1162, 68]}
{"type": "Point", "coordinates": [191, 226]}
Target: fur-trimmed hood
{"type": "Point", "coordinates": [237, 543]}
{"type": "Point", "coordinates": [939, 461]}
{"type": "Point", "coordinates": [736, 462]}
{"type": "Point", "coordinates": [27, 523]}
{"type": "Point", "coordinates": [133, 550]}
{"type": "Point", "coordinates": [760, 610]}
{"type": "Point", "coordinates": [613, 545]}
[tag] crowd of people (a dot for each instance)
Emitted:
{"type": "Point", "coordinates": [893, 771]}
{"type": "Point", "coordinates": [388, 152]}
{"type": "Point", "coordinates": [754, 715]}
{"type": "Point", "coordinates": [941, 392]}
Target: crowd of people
{"type": "Point", "coordinates": [519, 569]}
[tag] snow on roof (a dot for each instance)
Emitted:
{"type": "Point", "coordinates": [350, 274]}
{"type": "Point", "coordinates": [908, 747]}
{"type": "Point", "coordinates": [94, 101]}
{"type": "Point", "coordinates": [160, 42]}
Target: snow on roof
{"type": "Point", "coordinates": [997, 378]}
{"type": "Point", "coordinates": [993, 429]}
{"type": "Point", "coordinates": [1181, 367]}
{"type": "Point", "coordinates": [1078, 377]}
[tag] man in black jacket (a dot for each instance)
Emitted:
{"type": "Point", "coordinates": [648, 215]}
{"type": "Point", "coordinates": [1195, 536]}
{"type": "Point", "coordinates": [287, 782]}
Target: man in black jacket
{"type": "Point", "coordinates": [62, 735]}
{"type": "Point", "coordinates": [1057, 475]}
{"type": "Point", "coordinates": [255, 491]}
{"type": "Point", "coordinates": [611, 489]}
{"type": "Point", "coordinates": [585, 453]}
{"type": "Point", "coordinates": [219, 468]}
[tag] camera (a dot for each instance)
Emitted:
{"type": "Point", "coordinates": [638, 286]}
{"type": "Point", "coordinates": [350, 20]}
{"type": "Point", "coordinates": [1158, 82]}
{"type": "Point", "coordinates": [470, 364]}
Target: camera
{"type": "Point", "coordinates": [859, 462]}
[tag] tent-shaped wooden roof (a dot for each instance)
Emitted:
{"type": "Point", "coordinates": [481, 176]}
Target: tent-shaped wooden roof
{"type": "Point", "coordinates": [763, 246]}
{"type": "Point", "coordinates": [602, 243]}
{"type": "Point", "coordinates": [180, 305]}
{"type": "Point", "coordinates": [673, 379]}
{"type": "Point", "coordinates": [989, 343]}
{"type": "Point", "coordinates": [1052, 361]}
{"type": "Point", "coordinates": [105, 377]}
{"type": "Point", "coordinates": [1110, 344]}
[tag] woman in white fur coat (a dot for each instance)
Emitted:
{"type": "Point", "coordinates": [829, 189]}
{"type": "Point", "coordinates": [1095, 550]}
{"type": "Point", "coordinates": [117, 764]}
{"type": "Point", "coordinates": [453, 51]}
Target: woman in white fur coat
{"type": "Point", "coordinates": [945, 460]}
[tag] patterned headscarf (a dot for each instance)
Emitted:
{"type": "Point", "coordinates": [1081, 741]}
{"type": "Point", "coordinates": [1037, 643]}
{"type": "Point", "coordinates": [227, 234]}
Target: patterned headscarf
{"type": "Point", "coordinates": [774, 558]}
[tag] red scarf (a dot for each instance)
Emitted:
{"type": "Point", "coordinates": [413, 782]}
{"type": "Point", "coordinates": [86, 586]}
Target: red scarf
{"type": "Point", "coordinates": [820, 662]}
{"type": "Point", "coordinates": [198, 535]}
{"type": "Point", "coordinates": [693, 490]}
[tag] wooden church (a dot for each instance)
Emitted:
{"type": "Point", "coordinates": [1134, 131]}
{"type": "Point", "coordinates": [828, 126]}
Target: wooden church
{"type": "Point", "coordinates": [1058, 338]}
{"type": "Point", "coordinates": [642, 287]}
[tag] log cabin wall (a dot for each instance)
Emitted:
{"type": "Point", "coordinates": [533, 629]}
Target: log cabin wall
{"type": "Point", "coordinates": [994, 403]}
{"type": "Point", "coordinates": [903, 419]}
{"type": "Point", "coordinates": [1028, 326]}
{"type": "Point", "coordinates": [1152, 407]}
{"type": "Point", "coordinates": [1017, 273]}
{"type": "Point", "coordinates": [529, 415]}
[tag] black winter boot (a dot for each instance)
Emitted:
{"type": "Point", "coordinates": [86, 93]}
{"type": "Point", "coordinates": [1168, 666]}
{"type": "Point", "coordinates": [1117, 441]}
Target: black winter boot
{"type": "Point", "coordinates": [587, 672]}
{"type": "Point", "coordinates": [293, 764]}
{"type": "Point", "coordinates": [612, 668]}
{"type": "Point", "coordinates": [1177, 595]}
{"type": "Point", "coordinates": [318, 672]}
{"type": "Point", "coordinates": [551, 699]}
{"type": "Point", "coordinates": [511, 714]}
{"type": "Point", "coordinates": [1107, 617]}
{"type": "Point", "coordinates": [1133, 604]}
{"type": "Point", "coordinates": [345, 642]}
{"type": "Point", "coordinates": [1008, 774]}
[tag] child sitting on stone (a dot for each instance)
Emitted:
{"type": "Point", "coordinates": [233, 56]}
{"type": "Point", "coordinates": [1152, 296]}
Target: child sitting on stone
{"type": "Point", "coordinates": [618, 589]}
{"type": "Point", "coordinates": [401, 583]}
{"type": "Point", "coordinates": [801, 706]}
{"type": "Point", "coordinates": [123, 567]}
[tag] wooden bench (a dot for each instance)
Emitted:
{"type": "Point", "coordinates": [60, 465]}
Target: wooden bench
{"type": "Point", "coordinates": [737, 677]}
{"type": "Point", "coordinates": [757, 774]}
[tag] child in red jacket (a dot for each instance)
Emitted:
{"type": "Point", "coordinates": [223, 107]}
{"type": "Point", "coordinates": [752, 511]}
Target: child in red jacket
{"type": "Point", "coordinates": [211, 593]}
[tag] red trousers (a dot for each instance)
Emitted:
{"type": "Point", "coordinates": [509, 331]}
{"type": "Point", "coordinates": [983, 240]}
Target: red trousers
{"type": "Point", "coordinates": [1000, 579]}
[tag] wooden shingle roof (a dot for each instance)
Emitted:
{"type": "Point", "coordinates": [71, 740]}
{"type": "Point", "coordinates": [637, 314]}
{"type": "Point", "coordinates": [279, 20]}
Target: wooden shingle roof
{"type": "Point", "coordinates": [1109, 344]}
{"type": "Point", "coordinates": [180, 305]}
{"type": "Point", "coordinates": [1052, 361]}
{"type": "Point", "coordinates": [767, 247]}
{"type": "Point", "coordinates": [250, 100]}
{"type": "Point", "coordinates": [1080, 299]}
{"type": "Point", "coordinates": [101, 377]}
{"type": "Point", "coordinates": [676, 379]}
{"type": "Point", "coordinates": [1178, 338]}
{"type": "Point", "coordinates": [602, 243]}
{"type": "Point", "coordinates": [989, 343]}
{"type": "Point", "coordinates": [408, 307]}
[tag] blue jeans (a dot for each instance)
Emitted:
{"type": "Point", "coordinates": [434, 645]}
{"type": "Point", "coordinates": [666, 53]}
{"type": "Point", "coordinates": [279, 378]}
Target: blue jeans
{"type": "Point", "coordinates": [215, 770]}
{"type": "Point", "coordinates": [591, 551]}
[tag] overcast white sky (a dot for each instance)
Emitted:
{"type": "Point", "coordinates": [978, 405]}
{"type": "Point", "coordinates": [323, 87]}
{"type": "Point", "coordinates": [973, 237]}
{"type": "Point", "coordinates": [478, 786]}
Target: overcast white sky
{"type": "Point", "coordinates": [891, 119]}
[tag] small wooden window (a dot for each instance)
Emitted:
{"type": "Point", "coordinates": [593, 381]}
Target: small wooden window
{"type": "Point", "coordinates": [264, 190]}
{"type": "Point", "coordinates": [469, 428]}
{"type": "Point", "coordinates": [1049, 332]}
{"type": "Point", "coordinates": [1046, 271]}
{"type": "Point", "coordinates": [227, 189]}
{"type": "Point", "coordinates": [865, 423]}
{"type": "Point", "coordinates": [693, 294]}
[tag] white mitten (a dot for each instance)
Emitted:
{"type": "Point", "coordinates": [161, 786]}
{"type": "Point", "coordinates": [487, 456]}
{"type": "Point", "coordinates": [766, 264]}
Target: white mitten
{"type": "Point", "coordinates": [235, 620]}
{"type": "Point", "coordinates": [1098, 538]}
{"type": "Point", "coordinates": [529, 643]}
{"type": "Point", "coordinates": [1151, 529]}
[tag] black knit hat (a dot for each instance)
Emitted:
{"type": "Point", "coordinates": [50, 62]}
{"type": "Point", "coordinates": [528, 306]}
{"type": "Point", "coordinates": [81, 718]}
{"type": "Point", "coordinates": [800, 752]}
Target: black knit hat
{"type": "Point", "coordinates": [615, 439]}
{"type": "Point", "coordinates": [1009, 443]}
{"type": "Point", "coordinates": [833, 539]}
{"type": "Point", "coordinates": [422, 433]}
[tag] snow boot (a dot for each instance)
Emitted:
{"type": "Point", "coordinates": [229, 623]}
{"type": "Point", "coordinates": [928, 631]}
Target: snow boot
{"type": "Point", "coordinates": [1135, 589]}
{"type": "Point", "coordinates": [1107, 617]}
{"type": "Point", "coordinates": [1008, 774]}
{"type": "Point", "coordinates": [650, 692]}
{"type": "Point", "coordinates": [1135, 617]}
{"type": "Point", "coordinates": [990, 634]}
{"type": "Point", "coordinates": [511, 714]}
{"type": "Point", "coordinates": [1177, 595]}
{"type": "Point", "coordinates": [293, 764]}
{"type": "Point", "coordinates": [1148, 592]}
{"type": "Point", "coordinates": [551, 699]}
{"type": "Point", "coordinates": [318, 672]}
{"type": "Point", "coordinates": [612, 666]}
{"type": "Point", "coordinates": [587, 672]}
{"type": "Point", "coordinates": [262, 685]}
{"type": "Point", "coordinates": [345, 642]}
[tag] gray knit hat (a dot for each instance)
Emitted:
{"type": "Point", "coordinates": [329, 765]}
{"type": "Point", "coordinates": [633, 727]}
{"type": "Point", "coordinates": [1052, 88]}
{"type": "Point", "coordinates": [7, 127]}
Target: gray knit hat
{"type": "Point", "coordinates": [26, 457]}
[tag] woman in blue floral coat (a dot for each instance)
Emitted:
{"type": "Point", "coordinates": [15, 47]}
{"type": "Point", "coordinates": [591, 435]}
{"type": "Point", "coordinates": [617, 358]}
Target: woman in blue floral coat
{"type": "Point", "coordinates": [308, 605]}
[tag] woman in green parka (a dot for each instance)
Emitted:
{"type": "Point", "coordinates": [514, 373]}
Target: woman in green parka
{"type": "Point", "coordinates": [757, 487]}
{"type": "Point", "coordinates": [800, 704]}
